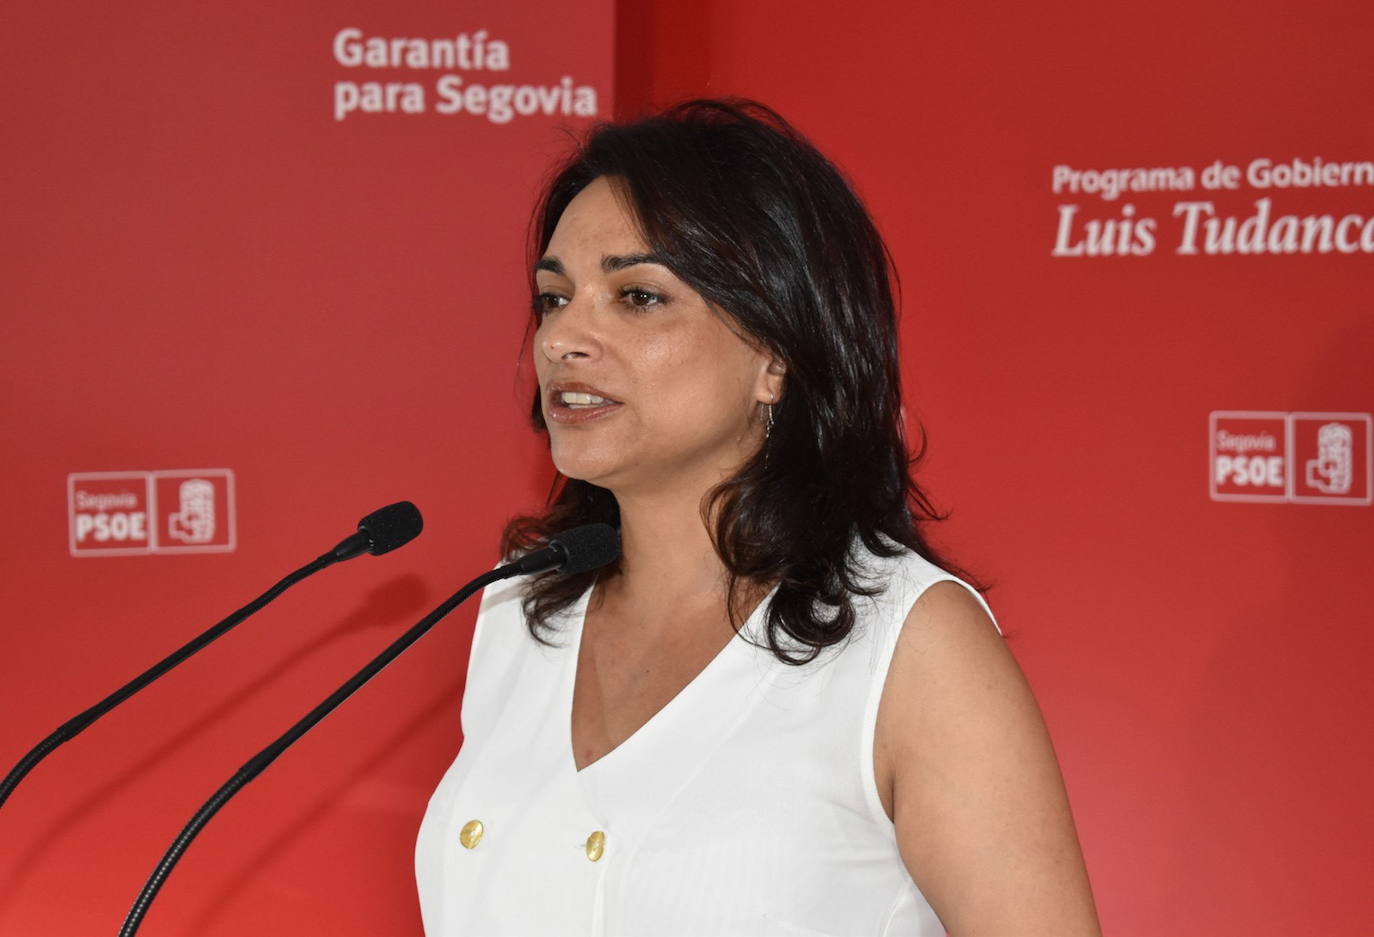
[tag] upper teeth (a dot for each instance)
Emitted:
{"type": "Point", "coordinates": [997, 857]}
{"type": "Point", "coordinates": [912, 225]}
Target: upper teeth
{"type": "Point", "coordinates": [574, 398]}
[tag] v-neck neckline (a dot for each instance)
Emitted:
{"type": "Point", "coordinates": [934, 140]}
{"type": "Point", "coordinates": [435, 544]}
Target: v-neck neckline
{"type": "Point", "coordinates": [691, 688]}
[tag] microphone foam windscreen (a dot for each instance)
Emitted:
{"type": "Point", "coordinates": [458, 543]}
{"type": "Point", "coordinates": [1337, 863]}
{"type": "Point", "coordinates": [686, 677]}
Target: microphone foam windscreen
{"type": "Point", "coordinates": [588, 547]}
{"type": "Point", "coordinates": [392, 526]}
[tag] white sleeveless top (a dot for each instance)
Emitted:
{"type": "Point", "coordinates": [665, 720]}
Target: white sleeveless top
{"type": "Point", "coordinates": [747, 805]}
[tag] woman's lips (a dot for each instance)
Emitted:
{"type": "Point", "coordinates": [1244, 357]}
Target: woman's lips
{"type": "Point", "coordinates": [570, 405]}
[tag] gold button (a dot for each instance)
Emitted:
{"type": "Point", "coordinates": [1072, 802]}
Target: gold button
{"type": "Point", "coordinates": [471, 834]}
{"type": "Point", "coordinates": [596, 845]}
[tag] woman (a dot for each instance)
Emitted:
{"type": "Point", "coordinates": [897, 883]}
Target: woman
{"type": "Point", "coordinates": [777, 714]}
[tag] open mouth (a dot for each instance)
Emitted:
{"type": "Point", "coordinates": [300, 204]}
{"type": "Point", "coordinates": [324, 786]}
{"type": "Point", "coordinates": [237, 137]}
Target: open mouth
{"type": "Point", "coordinates": [576, 400]}
{"type": "Point", "coordinates": [578, 405]}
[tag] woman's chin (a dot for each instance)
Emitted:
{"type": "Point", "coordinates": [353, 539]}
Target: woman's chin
{"type": "Point", "coordinates": [582, 467]}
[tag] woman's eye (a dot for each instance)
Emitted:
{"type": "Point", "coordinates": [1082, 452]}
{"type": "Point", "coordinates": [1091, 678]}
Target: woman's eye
{"type": "Point", "coordinates": [545, 303]}
{"type": "Point", "coordinates": [640, 297]}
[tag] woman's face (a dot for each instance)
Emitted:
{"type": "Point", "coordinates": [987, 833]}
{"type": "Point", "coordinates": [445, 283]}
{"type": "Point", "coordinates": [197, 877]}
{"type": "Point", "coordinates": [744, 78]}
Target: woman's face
{"type": "Point", "coordinates": [643, 384]}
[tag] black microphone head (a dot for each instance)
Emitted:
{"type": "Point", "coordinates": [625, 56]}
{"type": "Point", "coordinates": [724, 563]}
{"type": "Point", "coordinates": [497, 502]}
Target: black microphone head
{"type": "Point", "coordinates": [390, 527]}
{"type": "Point", "coordinates": [588, 547]}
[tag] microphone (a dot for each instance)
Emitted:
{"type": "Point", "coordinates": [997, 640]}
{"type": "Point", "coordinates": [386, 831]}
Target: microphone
{"type": "Point", "coordinates": [379, 532]}
{"type": "Point", "coordinates": [579, 550]}
{"type": "Point", "coordinates": [382, 531]}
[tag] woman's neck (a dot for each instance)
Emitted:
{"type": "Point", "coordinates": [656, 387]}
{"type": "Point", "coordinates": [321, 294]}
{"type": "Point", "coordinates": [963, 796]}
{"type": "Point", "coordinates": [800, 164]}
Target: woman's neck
{"type": "Point", "coordinates": [667, 553]}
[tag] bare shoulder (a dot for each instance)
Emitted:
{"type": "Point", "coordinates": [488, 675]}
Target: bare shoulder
{"type": "Point", "coordinates": [951, 672]}
{"type": "Point", "coordinates": [967, 772]}
{"type": "Point", "coordinates": [946, 619]}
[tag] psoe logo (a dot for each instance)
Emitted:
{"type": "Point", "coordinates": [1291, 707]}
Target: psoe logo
{"type": "Point", "coordinates": [107, 513]}
{"type": "Point", "coordinates": [1331, 457]}
{"type": "Point", "coordinates": [1298, 458]}
{"type": "Point", "coordinates": [194, 511]}
{"type": "Point", "coordinates": [178, 511]}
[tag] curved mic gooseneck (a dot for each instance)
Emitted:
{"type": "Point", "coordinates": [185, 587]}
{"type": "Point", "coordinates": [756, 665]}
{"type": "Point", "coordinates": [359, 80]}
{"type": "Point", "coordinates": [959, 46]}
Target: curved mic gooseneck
{"type": "Point", "coordinates": [379, 532]}
{"type": "Point", "coordinates": [575, 551]}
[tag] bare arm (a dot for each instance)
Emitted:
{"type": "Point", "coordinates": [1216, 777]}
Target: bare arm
{"type": "Point", "coordinates": [967, 772]}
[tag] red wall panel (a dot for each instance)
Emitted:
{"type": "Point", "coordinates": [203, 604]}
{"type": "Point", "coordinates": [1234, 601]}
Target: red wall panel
{"type": "Point", "coordinates": [204, 268]}
{"type": "Point", "coordinates": [1201, 663]}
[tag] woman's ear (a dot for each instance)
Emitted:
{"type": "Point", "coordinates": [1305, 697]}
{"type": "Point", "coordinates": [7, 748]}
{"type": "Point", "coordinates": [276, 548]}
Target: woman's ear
{"type": "Point", "coordinates": [771, 381]}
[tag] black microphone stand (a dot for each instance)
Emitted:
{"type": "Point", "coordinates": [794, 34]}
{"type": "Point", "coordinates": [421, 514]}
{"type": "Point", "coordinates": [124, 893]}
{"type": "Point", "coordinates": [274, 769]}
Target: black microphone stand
{"type": "Point", "coordinates": [379, 532]}
{"type": "Point", "coordinates": [255, 765]}
{"type": "Point", "coordinates": [72, 727]}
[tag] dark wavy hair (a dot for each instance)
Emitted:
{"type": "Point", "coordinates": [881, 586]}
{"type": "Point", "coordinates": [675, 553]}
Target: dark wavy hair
{"type": "Point", "coordinates": [749, 214]}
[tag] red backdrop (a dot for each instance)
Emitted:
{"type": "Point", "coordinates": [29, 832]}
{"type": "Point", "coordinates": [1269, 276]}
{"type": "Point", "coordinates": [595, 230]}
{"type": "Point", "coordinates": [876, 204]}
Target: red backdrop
{"type": "Point", "coordinates": [205, 268]}
{"type": "Point", "coordinates": [1202, 664]}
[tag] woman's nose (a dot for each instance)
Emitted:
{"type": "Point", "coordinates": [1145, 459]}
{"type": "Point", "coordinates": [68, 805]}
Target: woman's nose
{"type": "Point", "coordinates": [568, 333]}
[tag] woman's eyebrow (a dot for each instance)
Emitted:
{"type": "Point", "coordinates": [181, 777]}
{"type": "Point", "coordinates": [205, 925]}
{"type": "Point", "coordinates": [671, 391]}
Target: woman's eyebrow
{"type": "Point", "coordinates": [609, 263]}
{"type": "Point", "coordinates": [613, 262]}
